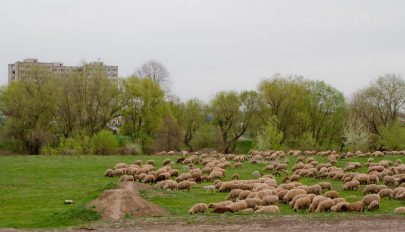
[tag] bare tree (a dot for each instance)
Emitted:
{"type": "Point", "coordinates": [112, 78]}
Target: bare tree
{"type": "Point", "coordinates": [155, 71]}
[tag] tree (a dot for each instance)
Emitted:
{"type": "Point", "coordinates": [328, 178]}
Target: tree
{"type": "Point", "coordinates": [143, 109]}
{"type": "Point", "coordinates": [379, 104]}
{"type": "Point", "coordinates": [155, 71]}
{"type": "Point", "coordinates": [29, 105]}
{"type": "Point", "coordinates": [168, 136]}
{"type": "Point", "coordinates": [393, 136]}
{"type": "Point", "coordinates": [270, 137]}
{"type": "Point", "coordinates": [233, 112]}
{"type": "Point", "coordinates": [355, 133]}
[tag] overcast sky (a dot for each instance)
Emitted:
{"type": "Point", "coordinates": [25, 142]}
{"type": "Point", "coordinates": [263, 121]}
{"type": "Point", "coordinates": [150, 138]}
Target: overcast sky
{"type": "Point", "coordinates": [215, 45]}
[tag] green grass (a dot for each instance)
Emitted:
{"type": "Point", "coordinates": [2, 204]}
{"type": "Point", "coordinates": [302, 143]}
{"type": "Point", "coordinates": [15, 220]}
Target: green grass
{"type": "Point", "coordinates": [33, 189]}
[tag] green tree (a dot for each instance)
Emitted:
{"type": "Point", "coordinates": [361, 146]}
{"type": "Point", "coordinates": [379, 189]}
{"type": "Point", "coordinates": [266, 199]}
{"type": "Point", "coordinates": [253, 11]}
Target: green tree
{"type": "Point", "coordinates": [233, 112]}
{"type": "Point", "coordinates": [143, 109]}
{"type": "Point", "coordinates": [393, 136]}
{"type": "Point", "coordinates": [270, 137]}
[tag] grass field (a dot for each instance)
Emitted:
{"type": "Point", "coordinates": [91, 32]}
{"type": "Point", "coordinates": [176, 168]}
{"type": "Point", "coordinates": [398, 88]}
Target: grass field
{"type": "Point", "coordinates": [33, 189]}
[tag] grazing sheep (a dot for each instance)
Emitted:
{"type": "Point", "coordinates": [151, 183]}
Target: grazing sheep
{"type": "Point", "coordinates": [237, 206]}
{"type": "Point", "coordinates": [270, 200]}
{"type": "Point", "coordinates": [373, 205]}
{"type": "Point", "coordinates": [386, 193]}
{"type": "Point", "coordinates": [253, 202]}
{"type": "Point", "coordinates": [326, 185]}
{"type": "Point", "coordinates": [340, 207]}
{"type": "Point", "coordinates": [351, 185]}
{"type": "Point", "coordinates": [222, 209]}
{"type": "Point", "coordinates": [219, 204]}
{"type": "Point", "coordinates": [127, 178]}
{"type": "Point", "coordinates": [186, 184]}
{"type": "Point", "coordinates": [292, 193]}
{"type": "Point", "coordinates": [315, 189]}
{"type": "Point", "coordinates": [371, 188]}
{"type": "Point", "coordinates": [315, 202]}
{"type": "Point", "coordinates": [170, 184]}
{"type": "Point", "coordinates": [167, 162]}
{"type": "Point", "coordinates": [108, 173]}
{"type": "Point", "coordinates": [248, 210]}
{"type": "Point", "coordinates": [256, 174]}
{"type": "Point", "coordinates": [244, 194]}
{"type": "Point", "coordinates": [390, 181]}
{"type": "Point", "coordinates": [325, 205]}
{"type": "Point", "coordinates": [357, 206]}
{"type": "Point", "coordinates": [400, 210]}
{"type": "Point", "coordinates": [148, 179]}
{"type": "Point", "coordinates": [198, 208]}
{"type": "Point", "coordinates": [331, 194]}
{"type": "Point", "coordinates": [235, 176]}
{"type": "Point", "coordinates": [210, 188]}
{"type": "Point", "coordinates": [367, 199]}
{"type": "Point", "coordinates": [234, 194]}
{"type": "Point", "coordinates": [302, 203]}
{"type": "Point", "coordinates": [272, 209]}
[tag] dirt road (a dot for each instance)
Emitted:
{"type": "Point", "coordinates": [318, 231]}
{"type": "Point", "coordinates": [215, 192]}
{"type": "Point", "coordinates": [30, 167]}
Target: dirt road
{"type": "Point", "coordinates": [346, 224]}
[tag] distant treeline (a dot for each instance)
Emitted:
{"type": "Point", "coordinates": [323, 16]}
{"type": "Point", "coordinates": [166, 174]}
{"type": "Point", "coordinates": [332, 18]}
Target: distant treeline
{"type": "Point", "coordinates": [86, 112]}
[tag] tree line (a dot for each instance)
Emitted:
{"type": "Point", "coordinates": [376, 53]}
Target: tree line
{"type": "Point", "coordinates": [86, 112]}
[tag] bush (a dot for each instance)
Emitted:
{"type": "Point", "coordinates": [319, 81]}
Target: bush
{"type": "Point", "coordinates": [103, 142]}
{"type": "Point", "coordinates": [307, 142]}
{"type": "Point", "coordinates": [270, 137]}
{"type": "Point", "coordinates": [131, 149]}
{"type": "Point", "coordinates": [393, 137]}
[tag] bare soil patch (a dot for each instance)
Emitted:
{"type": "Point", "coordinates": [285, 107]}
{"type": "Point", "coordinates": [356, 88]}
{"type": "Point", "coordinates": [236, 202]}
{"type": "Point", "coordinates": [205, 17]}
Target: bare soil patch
{"type": "Point", "coordinates": [116, 204]}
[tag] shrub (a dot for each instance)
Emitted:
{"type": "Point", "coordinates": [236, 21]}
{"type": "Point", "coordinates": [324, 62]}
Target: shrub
{"type": "Point", "coordinates": [270, 137]}
{"type": "Point", "coordinates": [131, 149]}
{"type": "Point", "coordinates": [103, 142]}
{"type": "Point", "coordinates": [393, 137]}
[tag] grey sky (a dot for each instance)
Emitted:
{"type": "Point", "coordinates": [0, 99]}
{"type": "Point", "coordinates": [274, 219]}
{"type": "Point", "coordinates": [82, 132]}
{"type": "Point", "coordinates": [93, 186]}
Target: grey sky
{"type": "Point", "coordinates": [213, 45]}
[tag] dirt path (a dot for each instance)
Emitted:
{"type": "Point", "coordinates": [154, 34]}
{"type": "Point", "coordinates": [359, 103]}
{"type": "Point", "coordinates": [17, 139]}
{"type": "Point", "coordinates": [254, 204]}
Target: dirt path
{"type": "Point", "coordinates": [287, 223]}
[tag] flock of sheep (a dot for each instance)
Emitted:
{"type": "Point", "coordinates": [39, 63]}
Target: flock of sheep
{"type": "Point", "coordinates": [262, 193]}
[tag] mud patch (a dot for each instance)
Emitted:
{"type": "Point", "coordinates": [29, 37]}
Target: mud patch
{"type": "Point", "coordinates": [116, 204]}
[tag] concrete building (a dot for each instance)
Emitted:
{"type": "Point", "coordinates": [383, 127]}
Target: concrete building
{"type": "Point", "coordinates": [18, 69]}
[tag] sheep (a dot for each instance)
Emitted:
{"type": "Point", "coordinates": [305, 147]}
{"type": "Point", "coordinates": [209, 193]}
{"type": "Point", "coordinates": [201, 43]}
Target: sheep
{"type": "Point", "coordinates": [235, 176]}
{"type": "Point", "coordinates": [186, 184]}
{"type": "Point", "coordinates": [108, 173]}
{"type": "Point", "coordinates": [292, 193]}
{"type": "Point", "coordinates": [270, 200]}
{"type": "Point", "coordinates": [256, 174]}
{"type": "Point", "coordinates": [326, 185]}
{"type": "Point", "coordinates": [253, 202]}
{"type": "Point", "coordinates": [390, 181]}
{"type": "Point", "coordinates": [331, 194]}
{"type": "Point", "coordinates": [386, 193]}
{"type": "Point", "coordinates": [302, 203]}
{"type": "Point", "coordinates": [371, 188]}
{"type": "Point", "coordinates": [315, 202]}
{"type": "Point", "coordinates": [237, 206]}
{"type": "Point", "coordinates": [167, 162]}
{"type": "Point", "coordinates": [373, 205]}
{"type": "Point", "coordinates": [210, 188]}
{"type": "Point", "coordinates": [351, 185]}
{"type": "Point", "coordinates": [234, 193]}
{"type": "Point", "coordinates": [325, 205]}
{"type": "Point", "coordinates": [315, 189]}
{"type": "Point", "coordinates": [198, 208]}
{"type": "Point", "coordinates": [400, 210]}
{"type": "Point", "coordinates": [357, 206]}
{"type": "Point", "coordinates": [367, 199]}
{"type": "Point", "coordinates": [272, 209]}
{"type": "Point", "coordinates": [148, 179]}
{"type": "Point", "coordinates": [219, 204]}
{"type": "Point", "coordinates": [248, 210]}
{"type": "Point", "coordinates": [170, 184]}
{"type": "Point", "coordinates": [244, 194]}
{"type": "Point", "coordinates": [125, 178]}
{"type": "Point", "coordinates": [340, 207]}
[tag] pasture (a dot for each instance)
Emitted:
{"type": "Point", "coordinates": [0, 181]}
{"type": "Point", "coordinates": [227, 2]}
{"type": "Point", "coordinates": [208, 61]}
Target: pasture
{"type": "Point", "coordinates": [33, 189]}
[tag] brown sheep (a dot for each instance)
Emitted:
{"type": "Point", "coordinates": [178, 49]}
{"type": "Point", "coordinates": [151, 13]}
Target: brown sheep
{"type": "Point", "coordinates": [400, 210]}
{"type": "Point", "coordinates": [386, 193]}
{"type": "Point", "coordinates": [371, 188]}
{"type": "Point", "coordinates": [340, 207]}
{"type": "Point", "coordinates": [270, 200]}
{"type": "Point", "coordinates": [253, 202]}
{"type": "Point", "coordinates": [219, 204]}
{"type": "Point", "coordinates": [325, 205]}
{"type": "Point", "coordinates": [302, 203]}
{"type": "Point", "coordinates": [351, 185]}
{"type": "Point", "coordinates": [390, 181]}
{"type": "Point", "coordinates": [170, 184]}
{"type": "Point", "coordinates": [357, 206]}
{"type": "Point", "coordinates": [367, 199]}
{"type": "Point", "coordinates": [331, 194]}
{"type": "Point", "coordinates": [198, 208]}
{"type": "Point", "coordinates": [108, 173]}
{"type": "Point", "coordinates": [125, 178]}
{"type": "Point", "coordinates": [235, 176]}
{"type": "Point", "coordinates": [233, 194]}
{"type": "Point", "coordinates": [292, 193]}
{"type": "Point", "coordinates": [325, 185]}
{"type": "Point", "coordinates": [148, 179]}
{"type": "Point", "coordinates": [315, 189]}
{"type": "Point", "coordinates": [315, 202]}
{"type": "Point", "coordinates": [273, 209]}
{"type": "Point", "coordinates": [237, 206]}
{"type": "Point", "coordinates": [244, 194]}
{"type": "Point", "coordinates": [373, 205]}
{"type": "Point", "coordinates": [186, 184]}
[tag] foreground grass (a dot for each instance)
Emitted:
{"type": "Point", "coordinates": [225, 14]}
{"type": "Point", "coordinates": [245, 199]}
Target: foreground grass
{"type": "Point", "coordinates": [33, 189]}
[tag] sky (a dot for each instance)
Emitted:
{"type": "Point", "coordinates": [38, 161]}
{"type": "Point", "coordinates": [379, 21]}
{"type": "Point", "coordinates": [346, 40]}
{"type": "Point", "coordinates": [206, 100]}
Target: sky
{"type": "Point", "coordinates": [213, 45]}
